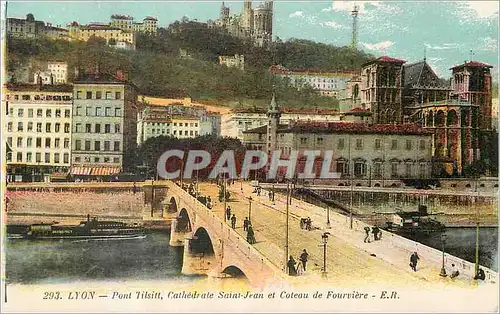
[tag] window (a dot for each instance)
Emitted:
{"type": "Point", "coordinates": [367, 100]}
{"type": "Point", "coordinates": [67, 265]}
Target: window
{"type": "Point", "coordinates": [19, 156]}
{"type": "Point", "coordinates": [66, 127]}
{"type": "Point", "coordinates": [303, 140]}
{"type": "Point", "coordinates": [394, 169]}
{"type": "Point", "coordinates": [19, 142]}
{"type": "Point", "coordinates": [88, 111]}
{"type": "Point", "coordinates": [78, 159]}
{"type": "Point", "coordinates": [26, 97]}
{"type": "Point", "coordinates": [96, 159]}
{"type": "Point", "coordinates": [108, 95]}
{"type": "Point", "coordinates": [98, 128]}
{"type": "Point", "coordinates": [47, 142]}
{"type": "Point", "coordinates": [9, 141]}
{"type": "Point", "coordinates": [98, 111]}
{"type": "Point", "coordinates": [20, 112]}
{"type": "Point", "coordinates": [359, 169]}
{"type": "Point", "coordinates": [89, 95]}
{"type": "Point", "coordinates": [48, 113]}
{"type": "Point", "coordinates": [107, 128]}
{"type": "Point", "coordinates": [30, 113]}
{"type": "Point", "coordinates": [108, 112]}
{"type": "Point", "coordinates": [408, 170]}
{"type": "Point", "coordinates": [47, 157]}
{"type": "Point", "coordinates": [9, 127]}
{"type": "Point", "coordinates": [378, 144]}
{"type": "Point", "coordinates": [20, 126]}
{"type": "Point", "coordinates": [79, 95]}
{"type": "Point", "coordinates": [39, 127]}
{"type": "Point", "coordinates": [66, 142]}
{"type": "Point", "coordinates": [47, 127]}
{"type": "Point", "coordinates": [175, 123]}
{"type": "Point", "coordinates": [67, 113]}
{"type": "Point", "coordinates": [98, 95]}
{"type": "Point", "coordinates": [106, 159]}
{"type": "Point", "coordinates": [87, 145]}
{"type": "Point", "coordinates": [394, 144]}
{"type": "Point", "coordinates": [97, 146]}
{"type": "Point", "coordinates": [408, 145]}
{"type": "Point", "coordinates": [118, 112]}
{"type": "Point", "coordinates": [116, 146]}
{"type": "Point", "coordinates": [38, 142]}
{"type": "Point", "coordinates": [422, 144]}
{"type": "Point", "coordinates": [422, 170]}
{"type": "Point", "coordinates": [29, 157]}
{"type": "Point", "coordinates": [57, 142]}
{"type": "Point", "coordinates": [58, 113]}
{"type": "Point", "coordinates": [29, 142]}
{"type": "Point", "coordinates": [56, 158]}
{"type": "Point", "coordinates": [78, 145]}
{"type": "Point", "coordinates": [190, 133]}
{"type": "Point", "coordinates": [78, 128]}
{"type": "Point", "coordinates": [9, 156]}
{"type": "Point", "coordinates": [319, 141]}
{"type": "Point", "coordinates": [340, 143]}
{"type": "Point", "coordinates": [11, 112]}
{"type": "Point", "coordinates": [377, 170]}
{"type": "Point", "coordinates": [118, 95]}
{"type": "Point", "coordinates": [343, 167]}
{"type": "Point", "coordinates": [117, 128]}
{"type": "Point", "coordinates": [116, 160]}
{"type": "Point", "coordinates": [66, 158]}
{"type": "Point", "coordinates": [39, 113]}
{"type": "Point", "coordinates": [57, 127]}
{"type": "Point", "coordinates": [38, 157]}
{"type": "Point", "coordinates": [107, 145]}
{"type": "Point", "coordinates": [88, 128]}
{"type": "Point", "coordinates": [78, 111]}
{"type": "Point", "coordinates": [359, 143]}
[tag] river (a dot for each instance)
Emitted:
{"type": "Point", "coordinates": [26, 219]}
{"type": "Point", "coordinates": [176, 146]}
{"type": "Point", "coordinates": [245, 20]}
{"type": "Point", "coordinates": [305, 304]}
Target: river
{"type": "Point", "coordinates": [52, 262]}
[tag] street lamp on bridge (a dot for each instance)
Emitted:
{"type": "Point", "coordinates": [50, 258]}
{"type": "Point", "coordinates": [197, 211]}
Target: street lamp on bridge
{"type": "Point", "coordinates": [324, 241]}
{"type": "Point", "coordinates": [443, 271]}
{"type": "Point", "coordinates": [249, 208]}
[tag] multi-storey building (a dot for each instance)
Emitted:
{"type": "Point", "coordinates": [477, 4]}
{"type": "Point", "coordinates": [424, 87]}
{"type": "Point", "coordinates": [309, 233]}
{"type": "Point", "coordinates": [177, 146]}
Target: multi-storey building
{"type": "Point", "coordinates": [148, 25]}
{"type": "Point", "coordinates": [373, 153]}
{"type": "Point", "coordinates": [53, 72]}
{"type": "Point", "coordinates": [37, 129]}
{"type": "Point", "coordinates": [381, 85]}
{"type": "Point", "coordinates": [328, 83]}
{"type": "Point", "coordinates": [104, 124]}
{"type": "Point", "coordinates": [236, 61]}
{"type": "Point", "coordinates": [112, 35]}
{"type": "Point", "coordinates": [30, 28]}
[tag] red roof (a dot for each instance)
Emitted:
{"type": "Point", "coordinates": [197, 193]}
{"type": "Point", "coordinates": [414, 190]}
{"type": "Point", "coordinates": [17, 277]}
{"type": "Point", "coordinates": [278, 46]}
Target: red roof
{"type": "Point", "coordinates": [389, 59]}
{"type": "Point", "coordinates": [472, 64]}
{"type": "Point", "coordinates": [352, 127]}
{"type": "Point", "coordinates": [150, 18]}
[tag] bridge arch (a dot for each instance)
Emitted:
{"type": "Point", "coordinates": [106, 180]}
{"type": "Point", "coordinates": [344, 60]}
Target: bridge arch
{"type": "Point", "coordinates": [201, 243]}
{"type": "Point", "coordinates": [183, 221]}
{"type": "Point", "coordinates": [172, 206]}
{"type": "Point", "coordinates": [234, 272]}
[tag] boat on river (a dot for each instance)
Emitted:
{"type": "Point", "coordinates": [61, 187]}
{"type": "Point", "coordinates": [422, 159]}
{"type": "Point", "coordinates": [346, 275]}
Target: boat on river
{"type": "Point", "coordinates": [91, 229]}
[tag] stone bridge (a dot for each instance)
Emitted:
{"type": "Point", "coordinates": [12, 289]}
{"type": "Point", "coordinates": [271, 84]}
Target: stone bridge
{"type": "Point", "coordinates": [212, 247]}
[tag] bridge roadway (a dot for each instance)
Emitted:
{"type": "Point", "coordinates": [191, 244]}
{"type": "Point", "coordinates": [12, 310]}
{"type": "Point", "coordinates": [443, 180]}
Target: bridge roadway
{"type": "Point", "coordinates": [350, 261]}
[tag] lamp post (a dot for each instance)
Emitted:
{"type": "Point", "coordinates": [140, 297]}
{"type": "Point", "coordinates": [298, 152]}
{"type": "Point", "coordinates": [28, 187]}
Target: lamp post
{"type": "Point", "coordinates": [443, 271]}
{"type": "Point", "coordinates": [328, 217]}
{"type": "Point", "coordinates": [476, 266]}
{"type": "Point", "coordinates": [324, 241]}
{"type": "Point", "coordinates": [286, 224]}
{"type": "Point", "coordinates": [224, 196]}
{"type": "Point", "coordinates": [249, 208]}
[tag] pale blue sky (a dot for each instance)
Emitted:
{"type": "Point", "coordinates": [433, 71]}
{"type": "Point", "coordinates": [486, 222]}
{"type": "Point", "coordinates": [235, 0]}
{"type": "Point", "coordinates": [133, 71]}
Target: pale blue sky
{"type": "Point", "coordinates": [396, 28]}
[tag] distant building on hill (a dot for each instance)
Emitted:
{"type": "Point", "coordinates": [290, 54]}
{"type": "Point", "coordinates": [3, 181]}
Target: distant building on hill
{"type": "Point", "coordinates": [30, 28]}
{"type": "Point", "coordinates": [236, 61]}
{"type": "Point", "coordinates": [114, 36]}
{"type": "Point", "coordinates": [126, 22]}
{"type": "Point", "coordinates": [53, 72]}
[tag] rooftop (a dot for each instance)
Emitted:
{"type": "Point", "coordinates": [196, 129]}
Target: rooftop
{"type": "Point", "coordinates": [386, 59]}
{"type": "Point", "coordinates": [37, 87]}
{"type": "Point", "coordinates": [356, 128]}
{"type": "Point", "coordinates": [99, 78]}
{"type": "Point", "coordinates": [150, 18]}
{"type": "Point", "coordinates": [476, 64]}
{"type": "Point", "coordinates": [121, 17]}
{"type": "Point", "coordinates": [278, 69]}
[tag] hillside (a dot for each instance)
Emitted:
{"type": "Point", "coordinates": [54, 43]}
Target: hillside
{"type": "Point", "coordinates": [156, 68]}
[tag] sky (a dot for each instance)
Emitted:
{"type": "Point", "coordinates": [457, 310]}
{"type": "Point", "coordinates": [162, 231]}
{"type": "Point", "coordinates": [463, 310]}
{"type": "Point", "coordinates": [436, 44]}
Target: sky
{"type": "Point", "coordinates": [444, 31]}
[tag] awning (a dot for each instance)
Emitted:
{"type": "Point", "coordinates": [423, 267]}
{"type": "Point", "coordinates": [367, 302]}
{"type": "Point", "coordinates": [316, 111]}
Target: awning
{"type": "Point", "coordinates": [95, 171]}
{"type": "Point", "coordinates": [59, 175]}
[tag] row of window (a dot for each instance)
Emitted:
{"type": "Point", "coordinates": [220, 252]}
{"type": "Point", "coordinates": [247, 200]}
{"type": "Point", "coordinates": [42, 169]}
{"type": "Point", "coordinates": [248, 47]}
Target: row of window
{"type": "Point", "coordinates": [30, 125]}
{"type": "Point", "coordinates": [38, 142]}
{"type": "Point", "coordinates": [48, 157]}
{"type": "Point", "coordinates": [39, 113]}
{"type": "Point", "coordinates": [97, 112]}
{"type": "Point", "coordinates": [186, 133]}
{"type": "Point", "coordinates": [360, 169]}
{"type": "Point", "coordinates": [41, 97]}
{"type": "Point", "coordinates": [116, 160]}
{"type": "Point", "coordinates": [98, 95]}
{"type": "Point", "coordinates": [97, 146]}
{"type": "Point", "coordinates": [183, 124]}
{"type": "Point", "coordinates": [360, 144]}
{"type": "Point", "coordinates": [97, 128]}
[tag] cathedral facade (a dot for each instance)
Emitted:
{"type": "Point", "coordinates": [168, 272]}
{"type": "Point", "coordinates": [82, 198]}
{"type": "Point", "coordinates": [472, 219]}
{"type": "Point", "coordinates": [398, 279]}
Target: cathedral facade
{"type": "Point", "coordinates": [253, 23]}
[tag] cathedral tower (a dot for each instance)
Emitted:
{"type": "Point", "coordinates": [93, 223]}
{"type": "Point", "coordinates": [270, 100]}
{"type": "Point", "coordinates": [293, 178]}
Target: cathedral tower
{"type": "Point", "coordinates": [273, 121]}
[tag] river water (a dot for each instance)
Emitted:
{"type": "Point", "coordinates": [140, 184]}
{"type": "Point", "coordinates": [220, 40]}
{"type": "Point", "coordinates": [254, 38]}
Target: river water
{"type": "Point", "coordinates": [52, 262]}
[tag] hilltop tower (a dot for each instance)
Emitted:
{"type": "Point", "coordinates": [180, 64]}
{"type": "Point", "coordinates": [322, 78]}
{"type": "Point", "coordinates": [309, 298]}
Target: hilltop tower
{"type": "Point", "coordinates": [354, 13]}
{"type": "Point", "coordinates": [247, 17]}
{"type": "Point", "coordinates": [273, 121]}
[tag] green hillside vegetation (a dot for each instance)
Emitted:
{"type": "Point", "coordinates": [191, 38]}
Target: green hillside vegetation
{"type": "Point", "coordinates": [157, 70]}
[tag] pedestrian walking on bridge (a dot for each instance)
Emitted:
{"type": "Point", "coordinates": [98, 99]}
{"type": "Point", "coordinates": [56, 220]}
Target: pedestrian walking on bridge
{"type": "Point", "coordinates": [245, 224]}
{"type": "Point", "coordinates": [233, 221]}
{"type": "Point", "coordinates": [228, 213]}
{"type": "Point", "coordinates": [303, 258]}
{"type": "Point", "coordinates": [414, 260]}
{"type": "Point", "coordinates": [292, 271]}
{"type": "Point", "coordinates": [250, 235]}
{"type": "Point", "coordinates": [367, 234]}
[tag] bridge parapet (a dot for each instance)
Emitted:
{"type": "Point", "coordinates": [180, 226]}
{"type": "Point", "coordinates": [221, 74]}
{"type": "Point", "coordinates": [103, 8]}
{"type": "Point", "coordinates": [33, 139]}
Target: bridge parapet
{"type": "Point", "coordinates": [230, 249]}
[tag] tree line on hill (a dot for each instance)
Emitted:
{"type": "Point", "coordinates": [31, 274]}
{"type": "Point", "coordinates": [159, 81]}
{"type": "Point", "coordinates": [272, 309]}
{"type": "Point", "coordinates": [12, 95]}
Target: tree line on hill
{"type": "Point", "coordinates": [158, 70]}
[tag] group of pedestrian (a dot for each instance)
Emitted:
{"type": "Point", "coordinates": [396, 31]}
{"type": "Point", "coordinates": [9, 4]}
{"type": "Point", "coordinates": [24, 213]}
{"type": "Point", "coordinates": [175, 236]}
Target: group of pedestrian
{"type": "Point", "coordinates": [301, 267]}
{"type": "Point", "coordinates": [377, 234]}
{"type": "Point", "coordinates": [257, 190]}
{"type": "Point", "coordinates": [270, 194]}
{"type": "Point", "coordinates": [306, 223]}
